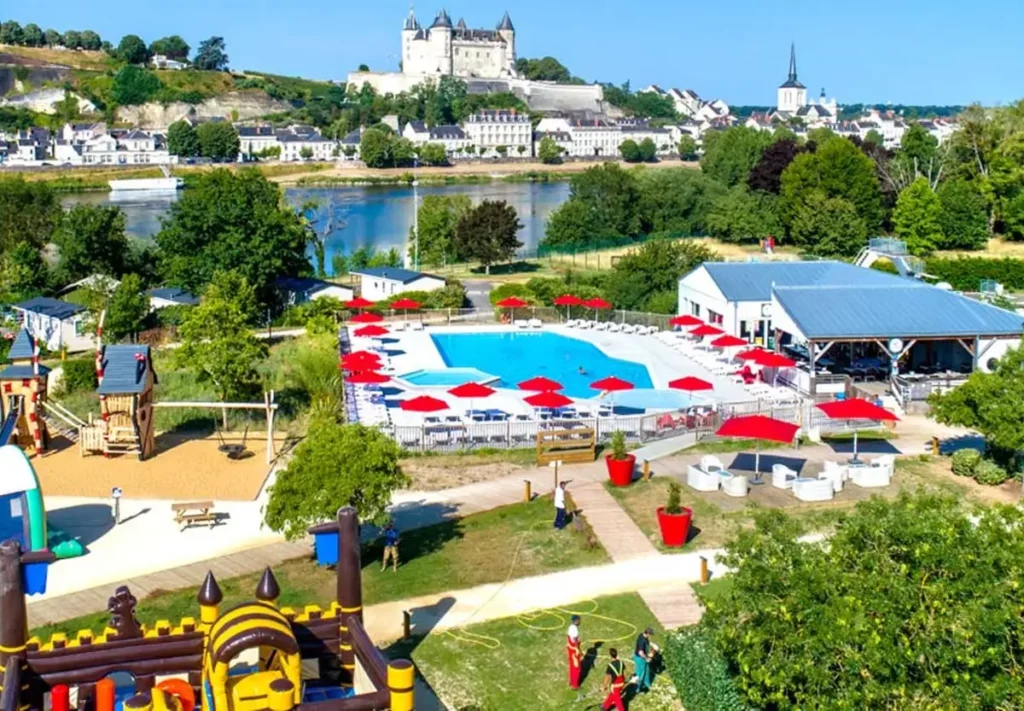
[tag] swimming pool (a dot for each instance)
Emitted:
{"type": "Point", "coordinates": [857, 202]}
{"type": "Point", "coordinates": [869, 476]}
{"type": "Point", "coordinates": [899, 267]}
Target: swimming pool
{"type": "Point", "coordinates": [449, 377]}
{"type": "Point", "coordinates": [515, 357]}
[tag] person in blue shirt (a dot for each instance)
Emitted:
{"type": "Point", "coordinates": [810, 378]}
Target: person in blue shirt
{"type": "Point", "coordinates": [642, 661]}
{"type": "Point", "coordinates": [390, 547]}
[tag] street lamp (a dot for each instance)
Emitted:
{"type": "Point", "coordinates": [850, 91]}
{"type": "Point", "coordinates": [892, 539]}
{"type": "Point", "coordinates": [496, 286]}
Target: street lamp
{"type": "Point", "coordinates": [416, 223]}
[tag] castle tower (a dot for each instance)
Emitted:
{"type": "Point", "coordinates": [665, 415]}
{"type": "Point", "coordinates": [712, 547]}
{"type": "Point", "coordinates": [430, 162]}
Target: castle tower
{"type": "Point", "coordinates": [23, 385]}
{"type": "Point", "coordinates": [441, 42]}
{"type": "Point", "coordinates": [508, 33]}
{"type": "Point", "coordinates": [409, 30]}
{"type": "Point", "coordinates": [792, 95]}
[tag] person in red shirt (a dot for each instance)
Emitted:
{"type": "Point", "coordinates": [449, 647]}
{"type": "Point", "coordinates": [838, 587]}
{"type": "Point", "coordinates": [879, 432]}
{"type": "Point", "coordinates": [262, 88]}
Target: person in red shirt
{"type": "Point", "coordinates": [614, 682]}
{"type": "Point", "coordinates": [574, 648]}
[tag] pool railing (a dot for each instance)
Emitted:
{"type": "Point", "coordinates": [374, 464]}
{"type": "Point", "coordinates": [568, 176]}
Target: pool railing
{"type": "Point", "coordinates": [544, 314]}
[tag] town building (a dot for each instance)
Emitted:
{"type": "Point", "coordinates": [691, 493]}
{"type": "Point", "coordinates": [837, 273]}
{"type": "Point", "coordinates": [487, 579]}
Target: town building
{"type": "Point", "coordinates": [379, 283]}
{"type": "Point", "coordinates": [301, 290]}
{"type": "Point", "coordinates": [161, 61]}
{"type": "Point", "coordinates": [792, 100]}
{"type": "Point", "coordinates": [600, 137]}
{"type": "Point", "coordinates": [134, 147]}
{"type": "Point", "coordinates": [287, 143]}
{"type": "Point", "coordinates": [57, 324]}
{"type": "Point", "coordinates": [491, 128]}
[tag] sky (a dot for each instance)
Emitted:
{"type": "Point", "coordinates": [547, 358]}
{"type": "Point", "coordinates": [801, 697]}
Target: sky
{"type": "Point", "coordinates": [899, 51]}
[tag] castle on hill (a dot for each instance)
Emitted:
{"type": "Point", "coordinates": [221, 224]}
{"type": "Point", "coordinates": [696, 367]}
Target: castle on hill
{"type": "Point", "coordinates": [444, 49]}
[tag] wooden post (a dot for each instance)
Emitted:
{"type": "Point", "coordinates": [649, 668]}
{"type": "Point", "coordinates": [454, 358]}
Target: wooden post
{"type": "Point", "coordinates": [406, 624]}
{"type": "Point", "coordinates": [647, 470]}
{"type": "Point", "coordinates": [13, 614]}
{"type": "Point", "coordinates": [527, 493]}
{"type": "Point", "coordinates": [705, 576]}
{"type": "Point", "coordinates": [349, 586]}
{"type": "Point", "coordinates": [935, 446]}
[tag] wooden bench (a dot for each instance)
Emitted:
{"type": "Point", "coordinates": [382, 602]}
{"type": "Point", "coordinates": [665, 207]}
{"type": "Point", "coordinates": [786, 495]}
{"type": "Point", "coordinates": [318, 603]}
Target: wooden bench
{"type": "Point", "coordinates": [195, 513]}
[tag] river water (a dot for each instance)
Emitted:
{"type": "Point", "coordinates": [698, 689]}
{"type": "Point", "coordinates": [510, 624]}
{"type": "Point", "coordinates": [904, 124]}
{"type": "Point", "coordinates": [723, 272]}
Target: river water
{"type": "Point", "coordinates": [378, 217]}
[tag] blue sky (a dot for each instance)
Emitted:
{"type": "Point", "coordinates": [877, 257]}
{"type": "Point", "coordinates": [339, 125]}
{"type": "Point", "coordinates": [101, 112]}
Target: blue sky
{"type": "Point", "coordinates": [903, 51]}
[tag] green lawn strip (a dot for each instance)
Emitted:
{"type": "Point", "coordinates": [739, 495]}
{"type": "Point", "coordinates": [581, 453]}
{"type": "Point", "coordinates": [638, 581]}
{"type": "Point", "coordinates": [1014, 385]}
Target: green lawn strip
{"type": "Point", "coordinates": [505, 664]}
{"type": "Point", "coordinates": [475, 457]}
{"type": "Point", "coordinates": [714, 590]}
{"type": "Point", "coordinates": [458, 554]}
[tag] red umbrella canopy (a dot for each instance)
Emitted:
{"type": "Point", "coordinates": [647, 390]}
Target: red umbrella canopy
{"type": "Point", "coordinates": [540, 383]}
{"type": "Point", "coordinates": [367, 317]}
{"type": "Point", "coordinates": [423, 403]}
{"type": "Point", "coordinates": [512, 302]}
{"type": "Point", "coordinates": [753, 354]}
{"type": "Point", "coordinates": [596, 303]}
{"type": "Point", "coordinates": [548, 399]}
{"type": "Point", "coordinates": [855, 409]}
{"type": "Point", "coordinates": [691, 384]}
{"type": "Point", "coordinates": [361, 360]}
{"type": "Point", "coordinates": [367, 377]}
{"type": "Point", "coordinates": [684, 320]}
{"type": "Point", "coordinates": [471, 390]}
{"type": "Point", "coordinates": [371, 330]}
{"type": "Point", "coordinates": [706, 330]}
{"type": "Point", "coordinates": [404, 303]}
{"type": "Point", "coordinates": [728, 342]}
{"type": "Point", "coordinates": [773, 360]}
{"type": "Point", "coordinates": [568, 300]}
{"type": "Point", "coordinates": [359, 303]}
{"type": "Point", "coordinates": [612, 384]}
{"type": "Point", "coordinates": [758, 427]}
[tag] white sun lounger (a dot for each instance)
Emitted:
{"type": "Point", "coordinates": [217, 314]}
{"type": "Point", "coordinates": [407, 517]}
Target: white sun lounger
{"type": "Point", "coordinates": [535, 323]}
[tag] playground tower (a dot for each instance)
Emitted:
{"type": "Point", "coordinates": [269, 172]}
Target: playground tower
{"type": "Point", "coordinates": [23, 383]}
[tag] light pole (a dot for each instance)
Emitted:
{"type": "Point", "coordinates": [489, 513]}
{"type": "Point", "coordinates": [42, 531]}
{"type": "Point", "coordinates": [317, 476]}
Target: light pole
{"type": "Point", "coordinates": [415, 216]}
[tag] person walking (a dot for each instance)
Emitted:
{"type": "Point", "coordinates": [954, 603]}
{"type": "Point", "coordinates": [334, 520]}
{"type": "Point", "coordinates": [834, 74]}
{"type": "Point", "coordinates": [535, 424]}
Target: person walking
{"type": "Point", "coordinates": [574, 646]}
{"type": "Point", "coordinates": [642, 661]}
{"type": "Point", "coordinates": [614, 682]}
{"type": "Point", "coordinates": [560, 519]}
{"type": "Point", "coordinates": [390, 547]}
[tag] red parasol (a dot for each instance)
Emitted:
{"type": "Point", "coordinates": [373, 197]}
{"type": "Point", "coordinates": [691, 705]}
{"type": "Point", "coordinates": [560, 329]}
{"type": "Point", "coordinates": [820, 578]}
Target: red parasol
{"type": "Point", "coordinates": [367, 377]}
{"type": "Point", "coordinates": [471, 391]}
{"type": "Point", "coordinates": [753, 354]}
{"type": "Point", "coordinates": [728, 342]}
{"type": "Point", "coordinates": [568, 300]}
{"type": "Point", "coordinates": [423, 403]}
{"type": "Point", "coordinates": [612, 384]}
{"type": "Point", "coordinates": [540, 383]}
{"type": "Point", "coordinates": [359, 303]}
{"type": "Point", "coordinates": [706, 330]}
{"type": "Point", "coordinates": [691, 384]}
{"type": "Point", "coordinates": [366, 317]}
{"type": "Point", "coordinates": [760, 428]}
{"type": "Point", "coordinates": [361, 360]}
{"type": "Point", "coordinates": [512, 302]}
{"type": "Point", "coordinates": [371, 331]}
{"type": "Point", "coordinates": [856, 409]}
{"type": "Point", "coordinates": [548, 399]}
{"type": "Point", "coordinates": [768, 359]}
{"type": "Point", "coordinates": [596, 303]}
{"type": "Point", "coordinates": [685, 320]}
{"type": "Point", "coordinates": [404, 303]}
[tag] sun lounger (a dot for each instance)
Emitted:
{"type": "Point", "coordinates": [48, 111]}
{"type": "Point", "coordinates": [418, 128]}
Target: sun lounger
{"type": "Point", "coordinates": [398, 326]}
{"type": "Point", "coordinates": [711, 464]}
{"type": "Point", "coordinates": [535, 323]}
{"type": "Point", "coordinates": [522, 324]}
{"type": "Point", "coordinates": [416, 326]}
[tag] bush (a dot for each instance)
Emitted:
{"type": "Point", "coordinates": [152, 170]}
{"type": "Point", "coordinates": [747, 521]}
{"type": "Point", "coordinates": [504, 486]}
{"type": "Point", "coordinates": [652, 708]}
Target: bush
{"type": "Point", "coordinates": [79, 375]}
{"type": "Point", "coordinates": [674, 505]}
{"type": "Point", "coordinates": [965, 461]}
{"type": "Point", "coordinates": [966, 273]}
{"type": "Point", "coordinates": [506, 291]}
{"type": "Point", "coordinates": [699, 672]}
{"type": "Point", "coordinates": [989, 473]}
{"type": "Point", "coordinates": [885, 265]}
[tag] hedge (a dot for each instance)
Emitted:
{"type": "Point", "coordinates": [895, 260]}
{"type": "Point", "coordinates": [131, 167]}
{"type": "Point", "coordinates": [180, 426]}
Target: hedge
{"type": "Point", "coordinates": [79, 375]}
{"type": "Point", "coordinates": [989, 473]}
{"type": "Point", "coordinates": [965, 461]}
{"type": "Point", "coordinates": [699, 672]}
{"type": "Point", "coordinates": [967, 273]}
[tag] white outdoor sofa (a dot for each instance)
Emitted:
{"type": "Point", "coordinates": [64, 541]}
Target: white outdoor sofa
{"type": "Point", "coordinates": [706, 476]}
{"type": "Point", "coordinates": [878, 472]}
{"type": "Point", "coordinates": [734, 484]}
{"type": "Point", "coordinates": [808, 489]}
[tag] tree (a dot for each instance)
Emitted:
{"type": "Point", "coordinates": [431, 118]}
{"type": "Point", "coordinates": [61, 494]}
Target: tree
{"type": "Point", "coordinates": [544, 69]}
{"type": "Point", "coordinates": [912, 604]}
{"type": "Point", "coordinates": [232, 222]}
{"type": "Point", "coordinates": [828, 227]}
{"type": "Point", "coordinates": [766, 174]}
{"type": "Point", "coordinates": [23, 273]}
{"type": "Point", "coordinates": [744, 215]}
{"type": "Point", "coordinates": [10, 33]}
{"type": "Point", "coordinates": [917, 218]}
{"type": "Point", "coordinates": [335, 465]}
{"type": "Point", "coordinates": [521, 149]}
{"type": "Point", "coordinates": [211, 55]}
{"type": "Point", "coordinates": [641, 277]}
{"type": "Point", "coordinates": [53, 38]}
{"type": "Point", "coordinates": [488, 233]}
{"type": "Point", "coordinates": [730, 154]}
{"type": "Point", "coordinates": [687, 148]}
{"type": "Point", "coordinates": [128, 306]}
{"type": "Point", "coordinates": [1013, 218]}
{"type": "Point", "coordinates": [132, 49]}
{"type": "Point", "coordinates": [501, 150]}
{"type": "Point", "coordinates": [218, 141]}
{"type": "Point", "coordinates": [964, 219]}
{"type": "Point", "coordinates": [172, 47]}
{"type": "Point", "coordinates": [433, 154]}
{"type": "Point", "coordinates": [90, 240]}
{"type": "Point", "coordinates": [91, 41]}
{"type": "Point", "coordinates": [403, 153]}
{"type": "Point", "coordinates": [676, 201]}
{"type": "Point", "coordinates": [182, 139]}
{"type": "Point", "coordinates": [648, 151]}
{"type": "Point", "coordinates": [134, 85]}
{"type": "Point", "coordinates": [66, 110]}
{"type": "Point", "coordinates": [438, 219]}
{"type": "Point", "coordinates": [30, 212]}
{"type": "Point", "coordinates": [571, 225]}
{"type": "Point", "coordinates": [375, 148]}
{"type": "Point", "coordinates": [612, 194]}
{"type": "Point", "coordinates": [305, 153]}
{"type": "Point", "coordinates": [323, 219]}
{"type": "Point", "coordinates": [32, 35]}
{"type": "Point", "coordinates": [549, 151]}
{"type": "Point", "coordinates": [874, 137]}
{"type": "Point", "coordinates": [73, 39]}
{"type": "Point", "coordinates": [630, 151]}
{"type": "Point", "coordinates": [918, 157]}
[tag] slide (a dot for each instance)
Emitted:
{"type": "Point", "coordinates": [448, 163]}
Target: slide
{"type": "Point", "coordinates": [9, 424]}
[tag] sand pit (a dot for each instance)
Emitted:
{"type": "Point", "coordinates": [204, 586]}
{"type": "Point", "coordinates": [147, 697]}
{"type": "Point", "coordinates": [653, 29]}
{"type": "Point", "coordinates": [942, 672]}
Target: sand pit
{"type": "Point", "coordinates": [184, 468]}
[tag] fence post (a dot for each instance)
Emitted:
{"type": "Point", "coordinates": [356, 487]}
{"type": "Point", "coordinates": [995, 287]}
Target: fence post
{"type": "Point", "coordinates": [527, 491]}
{"type": "Point", "coordinates": [423, 438]}
{"type": "Point", "coordinates": [705, 576]}
{"type": "Point", "coordinates": [647, 470]}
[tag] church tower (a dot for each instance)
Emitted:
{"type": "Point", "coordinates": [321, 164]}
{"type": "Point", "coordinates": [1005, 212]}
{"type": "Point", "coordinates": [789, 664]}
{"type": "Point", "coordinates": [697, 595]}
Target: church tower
{"type": "Point", "coordinates": [792, 95]}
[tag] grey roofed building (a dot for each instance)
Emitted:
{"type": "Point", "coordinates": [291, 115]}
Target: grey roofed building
{"type": "Point", "coordinates": [124, 369]}
{"type": "Point", "coordinates": [418, 126]}
{"type": "Point", "coordinates": [173, 293]}
{"type": "Point", "coordinates": [23, 346]}
{"type": "Point", "coordinates": [904, 309]}
{"type": "Point", "coordinates": [411, 23]}
{"type": "Point", "coordinates": [135, 135]}
{"type": "Point", "coordinates": [753, 281]}
{"type": "Point", "coordinates": [292, 138]}
{"type": "Point", "coordinates": [394, 273]}
{"type": "Point", "coordinates": [461, 25]}
{"type": "Point", "coordinates": [255, 131]}
{"type": "Point", "coordinates": [354, 138]}
{"type": "Point", "coordinates": [447, 133]}
{"type": "Point", "coordinates": [50, 307]}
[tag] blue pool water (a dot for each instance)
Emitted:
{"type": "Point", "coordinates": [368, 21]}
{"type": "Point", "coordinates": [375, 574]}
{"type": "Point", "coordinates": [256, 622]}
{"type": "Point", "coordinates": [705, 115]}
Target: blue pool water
{"type": "Point", "coordinates": [449, 377]}
{"type": "Point", "coordinates": [515, 357]}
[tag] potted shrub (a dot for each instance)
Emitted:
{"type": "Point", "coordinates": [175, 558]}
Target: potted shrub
{"type": "Point", "coordinates": [674, 519]}
{"type": "Point", "coordinates": [620, 463]}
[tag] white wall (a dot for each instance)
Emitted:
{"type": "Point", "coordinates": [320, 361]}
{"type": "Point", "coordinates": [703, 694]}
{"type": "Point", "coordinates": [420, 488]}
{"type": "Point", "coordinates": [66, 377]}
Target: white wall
{"type": "Point", "coordinates": [376, 289]}
{"type": "Point", "coordinates": [342, 293]}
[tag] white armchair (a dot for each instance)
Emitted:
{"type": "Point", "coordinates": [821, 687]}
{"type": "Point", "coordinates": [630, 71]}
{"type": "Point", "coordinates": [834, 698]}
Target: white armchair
{"type": "Point", "coordinates": [711, 464]}
{"type": "Point", "coordinates": [697, 478]}
{"type": "Point", "coordinates": [886, 462]}
{"type": "Point", "coordinates": [807, 489]}
{"type": "Point", "coordinates": [836, 473]}
{"type": "Point", "coordinates": [734, 484]}
{"type": "Point", "coordinates": [877, 474]}
{"type": "Point", "coordinates": [782, 476]}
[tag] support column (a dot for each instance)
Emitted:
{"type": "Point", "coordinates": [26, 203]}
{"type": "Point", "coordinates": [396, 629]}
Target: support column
{"type": "Point", "coordinates": [13, 615]}
{"type": "Point", "coordinates": [812, 359]}
{"type": "Point", "coordinates": [349, 586]}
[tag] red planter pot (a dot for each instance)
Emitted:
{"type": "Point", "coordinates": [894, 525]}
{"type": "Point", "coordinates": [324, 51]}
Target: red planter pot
{"type": "Point", "coordinates": [620, 471]}
{"type": "Point", "coordinates": [675, 528]}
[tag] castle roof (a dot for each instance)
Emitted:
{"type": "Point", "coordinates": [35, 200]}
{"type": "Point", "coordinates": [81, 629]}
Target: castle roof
{"type": "Point", "coordinates": [411, 23]}
{"type": "Point", "coordinates": [420, 34]}
{"type": "Point", "coordinates": [461, 24]}
{"type": "Point", "coordinates": [506, 23]}
{"type": "Point", "coordinates": [23, 347]}
{"type": "Point", "coordinates": [442, 20]}
{"type": "Point", "coordinates": [792, 82]}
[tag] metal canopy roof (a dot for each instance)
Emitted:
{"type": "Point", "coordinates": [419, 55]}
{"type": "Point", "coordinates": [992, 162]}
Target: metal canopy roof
{"type": "Point", "coordinates": [753, 281]}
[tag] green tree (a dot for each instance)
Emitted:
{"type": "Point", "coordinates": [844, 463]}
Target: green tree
{"type": "Point", "coordinates": [743, 215]}
{"type": "Point", "coordinates": [73, 39]}
{"type": "Point", "coordinates": [10, 33]}
{"type": "Point", "coordinates": [128, 306]}
{"type": "Point", "coordinates": [132, 49]}
{"type": "Point", "coordinates": [640, 277]}
{"type": "Point", "coordinates": [134, 85]}
{"type": "Point", "coordinates": [211, 55]}
{"type": "Point", "coordinates": [613, 195]}
{"type": "Point", "coordinates": [687, 148]}
{"type": "Point", "coordinates": [964, 218]}
{"type": "Point", "coordinates": [630, 151]}
{"type": "Point", "coordinates": [544, 69]}
{"type": "Point", "coordinates": [335, 465]}
{"type": "Point", "coordinates": [874, 137]}
{"type": "Point", "coordinates": [66, 110]}
{"type": "Point", "coordinates": [32, 35]}
{"type": "Point", "coordinates": [305, 153]}
{"type": "Point", "coordinates": [897, 611]}
{"type": "Point", "coordinates": [23, 273]}
{"type": "Point", "coordinates": [730, 154]}
{"type": "Point", "coordinates": [53, 38]}
{"type": "Point", "coordinates": [90, 239]}
{"type": "Point", "coordinates": [403, 153]}
{"type": "Point", "coordinates": [433, 154]}
{"type": "Point", "coordinates": [676, 201]}
{"type": "Point", "coordinates": [648, 151]}
{"type": "Point", "coordinates": [439, 217]}
{"type": "Point", "coordinates": [218, 141]}
{"type": "Point", "coordinates": [173, 47]}
{"type": "Point", "coordinates": [828, 227]}
{"type": "Point", "coordinates": [30, 211]}
{"type": "Point", "coordinates": [501, 151]}
{"type": "Point", "coordinates": [322, 219]}
{"type": "Point", "coordinates": [573, 224]}
{"type": "Point", "coordinates": [375, 148]}
{"type": "Point", "coordinates": [549, 151]}
{"type": "Point", "coordinates": [488, 233]}
{"type": "Point", "coordinates": [182, 140]}
{"type": "Point", "coordinates": [217, 344]}
{"type": "Point", "coordinates": [232, 222]}
{"type": "Point", "coordinates": [917, 218]}
{"type": "Point", "coordinates": [91, 41]}
{"type": "Point", "coordinates": [918, 157]}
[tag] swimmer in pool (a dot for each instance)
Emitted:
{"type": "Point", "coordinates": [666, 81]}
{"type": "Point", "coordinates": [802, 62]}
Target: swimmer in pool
{"type": "Point", "coordinates": [582, 371]}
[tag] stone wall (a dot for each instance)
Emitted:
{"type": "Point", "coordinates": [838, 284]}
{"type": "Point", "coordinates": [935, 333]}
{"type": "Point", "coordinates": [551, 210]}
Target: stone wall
{"type": "Point", "coordinates": [247, 104]}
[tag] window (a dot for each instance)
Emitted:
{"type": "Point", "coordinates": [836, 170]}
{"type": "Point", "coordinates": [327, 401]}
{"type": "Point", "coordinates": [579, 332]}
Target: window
{"type": "Point", "coordinates": [695, 309]}
{"type": "Point", "coordinates": [714, 318]}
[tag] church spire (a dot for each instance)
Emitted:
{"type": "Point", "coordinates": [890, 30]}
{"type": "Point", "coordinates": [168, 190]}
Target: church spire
{"type": "Point", "coordinates": [792, 61]}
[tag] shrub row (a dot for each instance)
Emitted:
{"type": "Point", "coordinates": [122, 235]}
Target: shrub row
{"type": "Point", "coordinates": [967, 273]}
{"type": "Point", "coordinates": [969, 462]}
{"type": "Point", "coordinates": [699, 672]}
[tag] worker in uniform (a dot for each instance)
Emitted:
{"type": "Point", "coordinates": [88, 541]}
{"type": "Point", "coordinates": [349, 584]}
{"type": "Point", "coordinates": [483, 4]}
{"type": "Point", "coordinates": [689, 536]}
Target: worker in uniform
{"type": "Point", "coordinates": [573, 645]}
{"type": "Point", "coordinates": [614, 682]}
{"type": "Point", "coordinates": [642, 656]}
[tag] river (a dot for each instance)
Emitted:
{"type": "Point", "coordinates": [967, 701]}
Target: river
{"type": "Point", "coordinates": [378, 217]}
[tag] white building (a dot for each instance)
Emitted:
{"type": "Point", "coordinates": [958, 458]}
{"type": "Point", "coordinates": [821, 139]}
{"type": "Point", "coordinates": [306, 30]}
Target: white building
{"type": "Point", "coordinates": [253, 140]}
{"type": "Point", "coordinates": [82, 132]}
{"type": "Point", "coordinates": [792, 100]}
{"type": "Point", "coordinates": [300, 290]}
{"type": "Point", "coordinates": [416, 132]}
{"type": "Point", "coordinates": [58, 324]}
{"type": "Point", "coordinates": [291, 141]}
{"type": "Point", "coordinates": [639, 131]}
{"type": "Point", "coordinates": [165, 296]}
{"type": "Point", "coordinates": [134, 147]}
{"type": "Point", "coordinates": [161, 61]}
{"type": "Point", "coordinates": [443, 49]}
{"type": "Point", "coordinates": [315, 147]}
{"type": "Point", "coordinates": [453, 138]}
{"type": "Point", "coordinates": [491, 128]}
{"type": "Point", "coordinates": [379, 283]}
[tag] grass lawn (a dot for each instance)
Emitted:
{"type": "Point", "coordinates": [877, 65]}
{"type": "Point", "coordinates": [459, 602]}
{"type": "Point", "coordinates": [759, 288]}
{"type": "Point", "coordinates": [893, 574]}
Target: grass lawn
{"type": "Point", "coordinates": [458, 554]}
{"type": "Point", "coordinates": [519, 663]}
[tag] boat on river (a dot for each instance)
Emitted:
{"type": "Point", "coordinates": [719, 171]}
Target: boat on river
{"type": "Point", "coordinates": [168, 183]}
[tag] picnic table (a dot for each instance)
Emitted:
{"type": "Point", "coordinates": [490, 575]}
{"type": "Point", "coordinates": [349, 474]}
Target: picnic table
{"type": "Point", "coordinates": [194, 513]}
